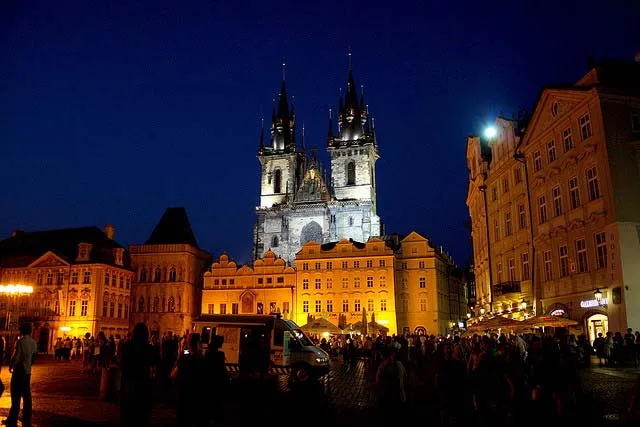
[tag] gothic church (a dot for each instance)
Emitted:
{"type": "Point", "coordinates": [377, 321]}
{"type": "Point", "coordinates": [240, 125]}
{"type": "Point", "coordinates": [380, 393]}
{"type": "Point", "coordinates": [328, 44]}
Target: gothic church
{"type": "Point", "coordinates": [298, 202]}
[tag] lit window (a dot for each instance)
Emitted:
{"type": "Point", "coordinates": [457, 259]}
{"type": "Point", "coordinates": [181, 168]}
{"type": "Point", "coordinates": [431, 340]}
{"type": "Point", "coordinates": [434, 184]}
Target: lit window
{"type": "Point", "coordinates": [84, 308]}
{"type": "Point", "coordinates": [318, 283]}
{"type": "Point", "coordinates": [356, 305]}
{"type": "Point", "coordinates": [383, 305]}
{"type": "Point", "coordinates": [318, 306]}
{"type": "Point", "coordinates": [382, 263]}
{"type": "Point", "coordinates": [305, 306]}
{"type": "Point", "coordinates": [330, 306]}
{"type": "Point", "coordinates": [305, 283]}
{"type": "Point", "coordinates": [72, 308]}
{"type": "Point", "coordinates": [345, 305]}
{"type": "Point", "coordinates": [369, 282]}
{"type": "Point", "coordinates": [369, 263]}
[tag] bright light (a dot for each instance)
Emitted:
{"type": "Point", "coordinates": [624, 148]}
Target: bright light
{"type": "Point", "coordinates": [598, 295]}
{"type": "Point", "coordinates": [65, 328]}
{"type": "Point", "coordinates": [468, 315]}
{"type": "Point", "coordinates": [16, 289]}
{"type": "Point", "coordinates": [523, 305]}
{"type": "Point", "coordinates": [490, 132]}
{"type": "Point", "coordinates": [383, 321]}
{"type": "Point", "coordinates": [325, 334]}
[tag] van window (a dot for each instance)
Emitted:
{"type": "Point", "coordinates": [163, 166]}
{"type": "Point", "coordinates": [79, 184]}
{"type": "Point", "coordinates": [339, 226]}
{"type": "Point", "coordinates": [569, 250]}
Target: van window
{"type": "Point", "coordinates": [278, 334]}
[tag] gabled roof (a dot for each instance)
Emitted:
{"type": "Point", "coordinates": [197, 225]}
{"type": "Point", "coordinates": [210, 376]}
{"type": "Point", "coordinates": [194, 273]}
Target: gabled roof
{"type": "Point", "coordinates": [173, 228]}
{"type": "Point", "coordinates": [23, 248]}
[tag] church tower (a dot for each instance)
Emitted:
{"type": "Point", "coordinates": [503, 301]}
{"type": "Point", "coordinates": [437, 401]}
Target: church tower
{"type": "Point", "coordinates": [353, 150]}
{"type": "Point", "coordinates": [278, 159]}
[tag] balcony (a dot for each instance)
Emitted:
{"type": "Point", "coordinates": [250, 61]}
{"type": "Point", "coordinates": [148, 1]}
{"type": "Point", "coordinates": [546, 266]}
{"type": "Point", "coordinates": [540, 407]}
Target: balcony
{"type": "Point", "coordinates": [504, 288]}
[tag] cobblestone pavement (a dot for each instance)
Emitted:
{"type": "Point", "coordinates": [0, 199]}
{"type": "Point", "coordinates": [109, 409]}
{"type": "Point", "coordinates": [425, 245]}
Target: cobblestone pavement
{"type": "Point", "coordinates": [62, 396]}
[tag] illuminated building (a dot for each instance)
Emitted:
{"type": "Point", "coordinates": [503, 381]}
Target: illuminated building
{"type": "Point", "coordinates": [298, 203]}
{"type": "Point", "coordinates": [267, 287]}
{"type": "Point", "coordinates": [169, 269]}
{"type": "Point", "coordinates": [579, 156]}
{"type": "Point", "coordinates": [81, 281]}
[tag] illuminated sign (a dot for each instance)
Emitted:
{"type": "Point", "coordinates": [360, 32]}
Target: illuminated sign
{"type": "Point", "coordinates": [589, 303]}
{"type": "Point", "coordinates": [558, 312]}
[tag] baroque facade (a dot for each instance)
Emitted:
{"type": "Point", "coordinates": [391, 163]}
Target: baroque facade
{"type": "Point", "coordinates": [298, 202]}
{"type": "Point", "coordinates": [581, 163]}
{"type": "Point", "coordinates": [169, 269]}
{"type": "Point", "coordinates": [81, 279]}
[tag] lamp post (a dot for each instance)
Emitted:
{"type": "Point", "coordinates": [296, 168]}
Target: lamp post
{"type": "Point", "coordinates": [598, 295]}
{"type": "Point", "coordinates": [523, 305]}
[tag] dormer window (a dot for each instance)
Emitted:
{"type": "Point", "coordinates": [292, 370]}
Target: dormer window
{"type": "Point", "coordinates": [84, 251]}
{"type": "Point", "coordinates": [118, 256]}
{"type": "Point", "coordinates": [351, 173]}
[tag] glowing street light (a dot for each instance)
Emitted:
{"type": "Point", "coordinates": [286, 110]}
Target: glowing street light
{"type": "Point", "coordinates": [468, 315]}
{"type": "Point", "coordinates": [523, 305]}
{"type": "Point", "coordinates": [16, 289]}
{"type": "Point", "coordinates": [490, 132]}
{"type": "Point", "coordinates": [598, 295]}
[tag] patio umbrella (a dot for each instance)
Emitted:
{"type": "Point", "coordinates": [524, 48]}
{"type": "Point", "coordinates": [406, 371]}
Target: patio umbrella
{"type": "Point", "coordinates": [497, 322]}
{"type": "Point", "coordinates": [546, 320]}
{"type": "Point", "coordinates": [364, 328]}
{"type": "Point", "coordinates": [375, 326]}
{"type": "Point", "coordinates": [320, 326]}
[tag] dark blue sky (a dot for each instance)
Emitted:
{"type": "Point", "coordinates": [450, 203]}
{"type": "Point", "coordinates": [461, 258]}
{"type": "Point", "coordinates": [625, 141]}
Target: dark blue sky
{"type": "Point", "coordinates": [112, 111]}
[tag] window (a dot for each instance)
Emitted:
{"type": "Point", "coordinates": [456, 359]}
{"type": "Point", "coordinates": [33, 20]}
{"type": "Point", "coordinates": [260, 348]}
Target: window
{"type": "Point", "coordinates": [574, 192]}
{"type": "Point", "coordinates": [318, 283]}
{"type": "Point", "coordinates": [356, 282]}
{"type": "Point", "coordinates": [508, 226]}
{"type": "Point", "coordinates": [383, 305]}
{"type": "Point", "coordinates": [119, 310]}
{"type": "Point", "coordinates": [60, 278]}
{"type": "Point", "coordinates": [345, 283]}
{"type": "Point", "coordinates": [585, 126]}
{"type": "Point", "coordinates": [127, 284]}
{"type": "Point", "coordinates": [234, 307]}
{"type": "Point", "coordinates": [345, 264]}
{"type": "Point", "coordinates": [114, 278]}
{"type": "Point", "coordinates": [106, 278]}
{"type": "Point", "coordinates": [635, 122]}
{"type": "Point", "coordinates": [84, 308]}
{"type": "Point", "coordinates": [494, 194]}
{"type": "Point", "coordinates": [329, 283]}
{"type": "Point", "coordinates": [49, 278]}
{"type": "Point", "coordinates": [318, 266]}
{"type": "Point", "coordinates": [551, 151]}
{"type": "Point", "coordinates": [330, 306]}
{"type": "Point", "coordinates": [557, 200]}
{"type": "Point", "coordinates": [496, 230]}
{"type": "Point", "coordinates": [140, 306]}
{"type": "Point", "coordinates": [369, 263]}
{"type": "Point", "coordinates": [383, 282]}
{"type": "Point", "coordinates": [518, 175]}
{"type": "Point", "coordinates": [157, 276]}
{"type": "Point", "coordinates": [121, 281]}
{"type": "Point", "coordinates": [422, 282]}
{"type": "Point", "coordinates": [581, 250]}
{"type": "Point", "coordinates": [277, 181]}
{"type": "Point", "coordinates": [537, 161]}
{"type": "Point", "coordinates": [563, 254]}
{"type": "Point", "coordinates": [305, 306]}
{"type": "Point", "coordinates": [156, 304]}
{"type": "Point", "coordinates": [74, 277]}
{"type": "Point", "coordinates": [522, 217]}
{"type": "Point", "coordinates": [305, 283]}
{"type": "Point", "coordinates": [592, 183]}
{"type": "Point", "coordinates": [260, 281]}
{"type": "Point", "coordinates": [72, 308]}
{"type": "Point", "coordinates": [143, 275]}
{"type": "Point", "coordinates": [305, 266]}
{"type": "Point", "coordinates": [405, 305]}
{"type": "Point", "coordinates": [505, 185]}
{"type": "Point", "coordinates": [369, 282]}
{"type": "Point", "coordinates": [351, 173]}
{"type": "Point", "coordinates": [172, 274]}
{"type": "Point", "coordinates": [350, 221]}
{"type": "Point", "coordinates": [601, 249]}
{"type": "Point", "coordinates": [404, 265]}
{"type": "Point", "coordinates": [56, 307]}
{"type": "Point", "coordinates": [542, 209]}
{"type": "Point", "coordinates": [356, 305]}
{"type": "Point", "coordinates": [318, 306]}
{"type": "Point", "coordinates": [499, 272]}
{"type": "Point", "coordinates": [404, 283]}
{"type": "Point", "coordinates": [370, 305]}
{"type": "Point", "coordinates": [421, 264]}
{"type": "Point", "coordinates": [524, 260]}
{"type": "Point", "coordinates": [329, 266]}
{"type": "Point", "coordinates": [511, 269]}
{"type": "Point", "coordinates": [345, 305]}
{"type": "Point", "coordinates": [548, 271]}
{"type": "Point", "coordinates": [126, 310]}
{"type": "Point", "coordinates": [356, 264]}
{"type": "Point", "coordinates": [423, 304]}
{"type": "Point", "coordinates": [274, 242]}
{"type": "Point", "coordinates": [171, 305]}
{"type": "Point", "coordinates": [382, 263]}
{"type": "Point", "coordinates": [567, 140]}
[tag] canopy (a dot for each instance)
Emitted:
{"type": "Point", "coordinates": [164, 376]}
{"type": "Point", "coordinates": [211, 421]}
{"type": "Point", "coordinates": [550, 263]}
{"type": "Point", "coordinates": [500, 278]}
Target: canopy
{"type": "Point", "coordinates": [370, 327]}
{"type": "Point", "coordinates": [497, 322]}
{"type": "Point", "coordinates": [546, 320]}
{"type": "Point", "coordinates": [319, 326]}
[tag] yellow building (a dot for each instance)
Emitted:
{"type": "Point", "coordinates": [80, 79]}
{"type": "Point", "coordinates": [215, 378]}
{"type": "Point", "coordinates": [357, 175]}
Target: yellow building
{"type": "Point", "coordinates": [579, 160]}
{"type": "Point", "coordinates": [81, 280]}
{"type": "Point", "coordinates": [345, 278]}
{"type": "Point", "coordinates": [169, 269]}
{"type": "Point", "coordinates": [267, 287]}
{"type": "Point", "coordinates": [429, 288]}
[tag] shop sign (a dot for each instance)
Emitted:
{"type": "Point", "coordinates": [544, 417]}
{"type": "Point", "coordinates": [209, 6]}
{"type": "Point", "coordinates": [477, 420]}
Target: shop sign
{"type": "Point", "coordinates": [589, 303]}
{"type": "Point", "coordinates": [558, 312]}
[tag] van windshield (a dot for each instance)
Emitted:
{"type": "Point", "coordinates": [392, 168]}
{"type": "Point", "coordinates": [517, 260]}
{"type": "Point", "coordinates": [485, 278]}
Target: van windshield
{"type": "Point", "coordinates": [304, 340]}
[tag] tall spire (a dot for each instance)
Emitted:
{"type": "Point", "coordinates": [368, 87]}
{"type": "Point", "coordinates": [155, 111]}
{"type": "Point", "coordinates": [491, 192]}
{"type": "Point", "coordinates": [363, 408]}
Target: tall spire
{"type": "Point", "coordinates": [261, 135]}
{"type": "Point", "coordinates": [302, 142]}
{"type": "Point", "coordinates": [330, 134]}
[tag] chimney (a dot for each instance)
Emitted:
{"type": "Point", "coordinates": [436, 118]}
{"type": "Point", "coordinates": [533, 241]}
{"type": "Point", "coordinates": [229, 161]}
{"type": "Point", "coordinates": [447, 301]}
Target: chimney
{"type": "Point", "coordinates": [109, 231]}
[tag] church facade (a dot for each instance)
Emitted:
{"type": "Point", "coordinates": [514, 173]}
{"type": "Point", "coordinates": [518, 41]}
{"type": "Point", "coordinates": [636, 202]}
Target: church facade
{"type": "Point", "coordinates": [298, 201]}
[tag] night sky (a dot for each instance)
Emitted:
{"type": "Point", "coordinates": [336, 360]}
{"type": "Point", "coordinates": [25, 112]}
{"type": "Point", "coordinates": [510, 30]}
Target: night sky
{"type": "Point", "coordinates": [112, 111]}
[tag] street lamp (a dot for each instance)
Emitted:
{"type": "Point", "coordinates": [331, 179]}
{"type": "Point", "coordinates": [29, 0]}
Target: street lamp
{"type": "Point", "coordinates": [523, 305]}
{"type": "Point", "coordinates": [598, 295]}
{"type": "Point", "coordinates": [482, 311]}
{"type": "Point", "coordinates": [490, 132]}
{"type": "Point", "coordinates": [468, 315]}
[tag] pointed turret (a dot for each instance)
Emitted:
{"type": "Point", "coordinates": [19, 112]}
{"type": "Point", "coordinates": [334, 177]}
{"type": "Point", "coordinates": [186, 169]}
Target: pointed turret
{"type": "Point", "coordinates": [283, 122]}
{"type": "Point", "coordinates": [261, 146]}
{"type": "Point", "coordinates": [330, 133]}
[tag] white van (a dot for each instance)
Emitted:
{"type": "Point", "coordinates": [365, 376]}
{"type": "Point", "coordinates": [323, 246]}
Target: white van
{"type": "Point", "coordinates": [264, 343]}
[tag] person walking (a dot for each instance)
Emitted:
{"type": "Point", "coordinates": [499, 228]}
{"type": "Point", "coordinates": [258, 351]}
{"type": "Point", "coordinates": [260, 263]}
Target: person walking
{"type": "Point", "coordinates": [20, 367]}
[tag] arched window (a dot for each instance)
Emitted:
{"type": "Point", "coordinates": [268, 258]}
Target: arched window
{"type": "Point", "coordinates": [143, 275]}
{"type": "Point", "coordinates": [156, 304]}
{"type": "Point", "coordinates": [172, 274]}
{"type": "Point", "coordinates": [311, 232]}
{"type": "Point", "coordinates": [157, 277]}
{"type": "Point", "coordinates": [171, 306]}
{"type": "Point", "coordinates": [351, 173]}
{"type": "Point", "coordinates": [277, 181]}
{"type": "Point", "coordinates": [179, 306]}
{"type": "Point", "coordinates": [141, 305]}
{"type": "Point", "coordinates": [274, 242]}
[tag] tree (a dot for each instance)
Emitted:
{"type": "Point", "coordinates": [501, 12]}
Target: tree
{"type": "Point", "coordinates": [364, 328]}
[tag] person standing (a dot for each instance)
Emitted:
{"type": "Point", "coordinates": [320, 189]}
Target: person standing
{"type": "Point", "coordinates": [20, 367]}
{"type": "Point", "coordinates": [136, 390]}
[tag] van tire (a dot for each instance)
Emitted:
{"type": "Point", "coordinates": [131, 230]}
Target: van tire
{"type": "Point", "coordinates": [300, 374]}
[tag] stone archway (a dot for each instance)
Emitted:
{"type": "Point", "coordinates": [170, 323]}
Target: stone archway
{"type": "Point", "coordinates": [311, 232]}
